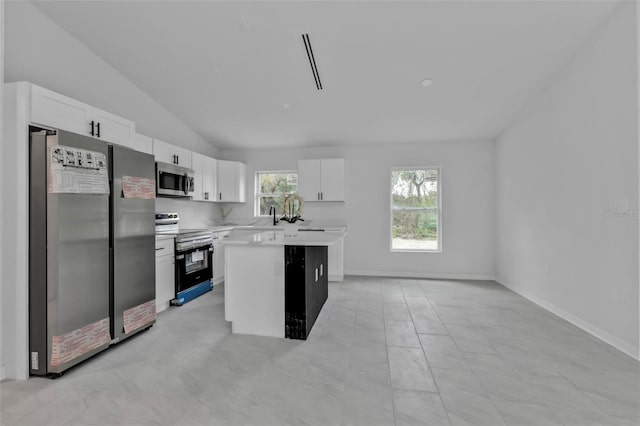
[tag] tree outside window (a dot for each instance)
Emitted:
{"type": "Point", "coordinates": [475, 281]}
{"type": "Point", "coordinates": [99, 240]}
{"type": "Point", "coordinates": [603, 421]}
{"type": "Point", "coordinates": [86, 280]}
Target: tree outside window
{"type": "Point", "coordinates": [415, 209]}
{"type": "Point", "coordinates": [270, 188]}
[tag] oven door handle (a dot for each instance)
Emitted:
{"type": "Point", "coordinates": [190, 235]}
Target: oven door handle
{"type": "Point", "coordinates": [184, 248]}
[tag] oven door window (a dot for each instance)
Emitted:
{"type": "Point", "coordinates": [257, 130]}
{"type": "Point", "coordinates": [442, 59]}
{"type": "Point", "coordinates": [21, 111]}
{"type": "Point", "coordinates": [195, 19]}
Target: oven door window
{"type": "Point", "coordinates": [196, 260]}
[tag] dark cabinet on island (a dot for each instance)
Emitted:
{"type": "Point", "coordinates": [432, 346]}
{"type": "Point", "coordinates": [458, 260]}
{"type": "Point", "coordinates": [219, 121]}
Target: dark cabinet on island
{"type": "Point", "coordinates": [305, 288]}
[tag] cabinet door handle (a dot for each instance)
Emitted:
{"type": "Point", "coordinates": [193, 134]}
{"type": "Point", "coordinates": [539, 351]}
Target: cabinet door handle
{"type": "Point", "coordinates": [161, 248]}
{"type": "Point", "coordinates": [316, 274]}
{"type": "Point", "coordinates": [318, 196]}
{"type": "Point", "coordinates": [91, 132]}
{"type": "Point", "coordinates": [321, 270]}
{"type": "Point", "coordinates": [321, 196]}
{"type": "Point", "coordinates": [221, 196]}
{"type": "Point", "coordinates": [177, 159]}
{"type": "Point", "coordinates": [98, 129]}
{"type": "Point", "coordinates": [206, 195]}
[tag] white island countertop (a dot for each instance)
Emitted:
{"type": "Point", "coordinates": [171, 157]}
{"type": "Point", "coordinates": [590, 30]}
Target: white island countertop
{"type": "Point", "coordinates": [277, 238]}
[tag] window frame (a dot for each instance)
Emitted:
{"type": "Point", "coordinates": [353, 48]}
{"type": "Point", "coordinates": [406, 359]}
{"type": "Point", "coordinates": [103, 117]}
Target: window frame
{"type": "Point", "coordinates": [438, 210]}
{"type": "Point", "coordinates": [256, 183]}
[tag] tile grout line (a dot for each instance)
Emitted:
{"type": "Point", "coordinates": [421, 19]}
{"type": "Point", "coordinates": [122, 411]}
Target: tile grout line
{"type": "Point", "coordinates": [475, 375]}
{"type": "Point", "coordinates": [427, 359]}
{"type": "Point", "coordinates": [384, 325]}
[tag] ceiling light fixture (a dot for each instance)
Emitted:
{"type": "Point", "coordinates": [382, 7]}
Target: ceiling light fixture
{"type": "Point", "coordinates": [427, 82]}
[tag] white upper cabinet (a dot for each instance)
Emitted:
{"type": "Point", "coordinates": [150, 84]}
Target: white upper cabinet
{"type": "Point", "coordinates": [143, 143]}
{"type": "Point", "coordinates": [114, 129]}
{"type": "Point", "coordinates": [52, 109]}
{"type": "Point", "coordinates": [231, 181]}
{"type": "Point", "coordinates": [167, 153]}
{"type": "Point", "coordinates": [321, 180]}
{"type": "Point", "coordinates": [309, 179]}
{"type": "Point", "coordinates": [60, 112]}
{"type": "Point", "coordinates": [332, 180]}
{"type": "Point", "coordinates": [205, 177]}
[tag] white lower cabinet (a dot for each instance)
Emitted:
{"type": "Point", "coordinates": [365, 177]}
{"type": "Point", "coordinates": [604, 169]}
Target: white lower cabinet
{"type": "Point", "coordinates": [218, 256]}
{"type": "Point", "coordinates": [165, 273]}
{"type": "Point", "coordinates": [336, 260]}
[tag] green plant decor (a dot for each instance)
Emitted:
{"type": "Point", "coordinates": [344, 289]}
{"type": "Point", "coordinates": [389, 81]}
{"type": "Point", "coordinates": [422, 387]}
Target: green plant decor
{"type": "Point", "coordinates": [291, 208]}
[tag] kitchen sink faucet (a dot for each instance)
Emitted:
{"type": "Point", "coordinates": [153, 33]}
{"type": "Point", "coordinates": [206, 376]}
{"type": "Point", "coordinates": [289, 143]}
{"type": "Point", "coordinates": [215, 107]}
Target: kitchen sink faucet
{"type": "Point", "coordinates": [272, 210]}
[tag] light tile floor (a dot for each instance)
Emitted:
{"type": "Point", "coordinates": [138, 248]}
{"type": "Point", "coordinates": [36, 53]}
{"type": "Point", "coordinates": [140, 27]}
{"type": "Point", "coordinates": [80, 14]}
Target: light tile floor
{"type": "Point", "coordinates": [383, 352]}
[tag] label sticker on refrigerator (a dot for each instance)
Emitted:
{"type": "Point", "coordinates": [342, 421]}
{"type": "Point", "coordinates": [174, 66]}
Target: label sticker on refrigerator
{"type": "Point", "coordinates": [77, 171]}
{"type": "Point", "coordinates": [34, 361]}
{"type": "Point", "coordinates": [137, 187]}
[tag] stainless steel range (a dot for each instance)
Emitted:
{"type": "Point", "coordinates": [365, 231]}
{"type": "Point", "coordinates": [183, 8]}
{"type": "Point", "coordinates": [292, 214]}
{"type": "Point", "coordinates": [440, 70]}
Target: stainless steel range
{"type": "Point", "coordinates": [194, 255]}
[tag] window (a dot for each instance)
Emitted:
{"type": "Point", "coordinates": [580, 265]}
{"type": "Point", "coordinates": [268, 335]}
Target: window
{"type": "Point", "coordinates": [271, 187]}
{"type": "Point", "coordinates": [415, 209]}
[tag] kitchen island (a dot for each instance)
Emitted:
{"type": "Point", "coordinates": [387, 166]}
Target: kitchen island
{"type": "Point", "coordinates": [259, 269]}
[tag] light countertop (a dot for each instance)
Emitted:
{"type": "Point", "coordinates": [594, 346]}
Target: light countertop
{"type": "Point", "coordinates": [160, 236]}
{"type": "Point", "coordinates": [277, 237]}
{"type": "Point", "coordinates": [221, 228]}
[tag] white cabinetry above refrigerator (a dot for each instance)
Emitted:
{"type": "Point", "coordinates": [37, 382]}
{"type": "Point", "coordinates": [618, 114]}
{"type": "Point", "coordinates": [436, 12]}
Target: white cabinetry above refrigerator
{"type": "Point", "coordinates": [52, 109]}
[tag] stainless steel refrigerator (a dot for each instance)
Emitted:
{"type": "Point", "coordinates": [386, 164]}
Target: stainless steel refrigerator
{"type": "Point", "coordinates": [85, 236]}
{"type": "Point", "coordinates": [133, 288]}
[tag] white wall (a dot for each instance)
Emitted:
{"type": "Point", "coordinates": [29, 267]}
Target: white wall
{"type": "Point", "coordinates": [3, 183]}
{"type": "Point", "coordinates": [39, 51]}
{"type": "Point", "coordinates": [468, 204]}
{"type": "Point", "coordinates": [570, 157]}
{"type": "Point", "coordinates": [193, 214]}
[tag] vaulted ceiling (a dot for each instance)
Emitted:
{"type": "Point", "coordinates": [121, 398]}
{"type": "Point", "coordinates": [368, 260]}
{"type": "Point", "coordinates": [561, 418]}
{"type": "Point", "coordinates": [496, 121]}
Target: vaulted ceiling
{"type": "Point", "coordinates": [238, 72]}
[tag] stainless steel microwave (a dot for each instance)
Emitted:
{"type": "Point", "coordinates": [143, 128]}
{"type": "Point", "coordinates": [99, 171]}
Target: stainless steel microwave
{"type": "Point", "coordinates": [173, 181]}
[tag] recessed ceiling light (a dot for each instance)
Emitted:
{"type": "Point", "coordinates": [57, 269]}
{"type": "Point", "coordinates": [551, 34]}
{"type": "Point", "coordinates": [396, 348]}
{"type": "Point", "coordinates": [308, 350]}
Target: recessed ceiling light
{"type": "Point", "coordinates": [427, 82]}
{"type": "Point", "coordinates": [244, 25]}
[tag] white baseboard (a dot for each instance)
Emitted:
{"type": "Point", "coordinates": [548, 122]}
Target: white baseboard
{"type": "Point", "coordinates": [617, 343]}
{"type": "Point", "coordinates": [426, 275]}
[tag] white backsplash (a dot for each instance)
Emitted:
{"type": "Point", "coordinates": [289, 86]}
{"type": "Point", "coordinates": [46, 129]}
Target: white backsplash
{"type": "Point", "coordinates": [193, 214]}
